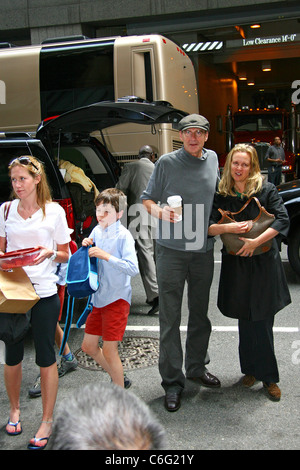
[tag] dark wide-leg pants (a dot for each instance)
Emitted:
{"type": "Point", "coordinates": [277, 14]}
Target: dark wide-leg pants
{"type": "Point", "coordinates": [256, 350]}
{"type": "Point", "coordinates": [174, 268]}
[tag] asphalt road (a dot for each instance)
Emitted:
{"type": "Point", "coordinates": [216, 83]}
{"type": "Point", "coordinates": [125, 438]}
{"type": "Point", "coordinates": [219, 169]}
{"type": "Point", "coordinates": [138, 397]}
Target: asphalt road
{"type": "Point", "coordinates": [229, 418]}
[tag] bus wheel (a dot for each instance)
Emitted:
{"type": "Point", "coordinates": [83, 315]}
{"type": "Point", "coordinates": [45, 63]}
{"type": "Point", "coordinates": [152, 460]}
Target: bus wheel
{"type": "Point", "coordinates": [294, 250]}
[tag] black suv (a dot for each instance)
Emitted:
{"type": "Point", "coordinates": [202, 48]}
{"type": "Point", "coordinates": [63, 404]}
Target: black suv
{"type": "Point", "coordinates": [67, 138]}
{"type": "Point", "coordinates": [290, 193]}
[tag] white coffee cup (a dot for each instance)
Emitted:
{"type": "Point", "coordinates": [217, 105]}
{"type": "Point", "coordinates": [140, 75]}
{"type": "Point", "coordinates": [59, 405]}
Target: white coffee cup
{"type": "Point", "coordinates": [176, 203]}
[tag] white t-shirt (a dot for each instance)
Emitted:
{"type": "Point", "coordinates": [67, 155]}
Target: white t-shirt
{"type": "Point", "coordinates": [49, 232]}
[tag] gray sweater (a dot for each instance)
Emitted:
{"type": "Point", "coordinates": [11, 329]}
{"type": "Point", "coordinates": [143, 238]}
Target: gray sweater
{"type": "Point", "coordinates": [195, 180]}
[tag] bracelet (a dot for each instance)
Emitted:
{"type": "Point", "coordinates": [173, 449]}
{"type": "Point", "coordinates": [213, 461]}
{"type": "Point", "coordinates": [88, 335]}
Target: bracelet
{"type": "Point", "coordinates": [52, 258]}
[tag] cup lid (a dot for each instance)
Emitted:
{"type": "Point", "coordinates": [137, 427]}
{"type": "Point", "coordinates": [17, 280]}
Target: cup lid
{"type": "Point", "coordinates": [174, 199]}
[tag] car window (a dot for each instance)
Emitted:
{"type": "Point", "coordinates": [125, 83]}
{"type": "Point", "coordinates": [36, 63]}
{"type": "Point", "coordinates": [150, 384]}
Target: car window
{"type": "Point", "coordinates": [86, 158]}
{"type": "Point", "coordinates": [9, 151]}
{"type": "Point", "coordinates": [5, 186]}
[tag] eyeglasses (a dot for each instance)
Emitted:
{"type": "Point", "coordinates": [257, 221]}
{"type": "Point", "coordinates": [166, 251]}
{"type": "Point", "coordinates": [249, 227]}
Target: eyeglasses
{"type": "Point", "coordinates": [23, 161]}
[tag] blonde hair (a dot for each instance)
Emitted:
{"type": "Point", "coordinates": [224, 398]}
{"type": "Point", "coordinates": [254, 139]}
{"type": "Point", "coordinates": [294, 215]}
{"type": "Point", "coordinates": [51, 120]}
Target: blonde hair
{"type": "Point", "coordinates": [35, 168]}
{"type": "Point", "coordinates": [255, 178]}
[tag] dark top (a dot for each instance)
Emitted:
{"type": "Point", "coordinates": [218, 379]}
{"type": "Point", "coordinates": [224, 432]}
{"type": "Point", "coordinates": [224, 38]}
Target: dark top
{"type": "Point", "coordinates": [253, 288]}
{"type": "Point", "coordinates": [274, 152]}
{"type": "Point", "coordinates": [195, 180]}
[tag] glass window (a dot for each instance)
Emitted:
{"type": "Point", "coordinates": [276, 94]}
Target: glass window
{"type": "Point", "coordinates": [75, 76]}
{"type": "Point", "coordinates": [6, 156]}
{"type": "Point", "coordinates": [257, 122]}
{"type": "Point", "coordinates": [9, 152]}
{"type": "Point", "coordinates": [91, 162]}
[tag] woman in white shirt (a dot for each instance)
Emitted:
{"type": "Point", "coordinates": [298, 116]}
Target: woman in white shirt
{"type": "Point", "coordinates": [33, 220]}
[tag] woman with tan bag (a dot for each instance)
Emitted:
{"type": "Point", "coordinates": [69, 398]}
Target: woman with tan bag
{"type": "Point", "coordinates": [252, 287]}
{"type": "Point", "coordinates": [34, 220]}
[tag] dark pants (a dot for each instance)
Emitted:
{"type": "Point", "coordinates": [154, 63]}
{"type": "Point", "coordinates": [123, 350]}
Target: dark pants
{"type": "Point", "coordinates": [256, 349]}
{"type": "Point", "coordinates": [274, 175]}
{"type": "Point", "coordinates": [173, 269]}
{"type": "Point", "coordinates": [44, 317]}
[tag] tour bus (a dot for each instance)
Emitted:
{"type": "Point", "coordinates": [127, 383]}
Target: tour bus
{"type": "Point", "coordinates": [46, 80]}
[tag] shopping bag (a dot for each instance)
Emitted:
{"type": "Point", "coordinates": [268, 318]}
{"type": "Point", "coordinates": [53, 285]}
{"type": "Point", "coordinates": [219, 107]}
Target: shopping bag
{"type": "Point", "coordinates": [17, 294]}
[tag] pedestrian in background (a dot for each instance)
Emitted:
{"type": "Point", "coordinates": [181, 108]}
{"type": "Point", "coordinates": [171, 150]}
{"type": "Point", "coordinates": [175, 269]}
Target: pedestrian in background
{"type": "Point", "coordinates": [275, 156]}
{"type": "Point", "coordinates": [133, 181]}
{"type": "Point", "coordinates": [68, 361]}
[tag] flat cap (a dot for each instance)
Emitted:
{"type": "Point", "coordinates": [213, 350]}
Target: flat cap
{"type": "Point", "coordinates": [193, 120]}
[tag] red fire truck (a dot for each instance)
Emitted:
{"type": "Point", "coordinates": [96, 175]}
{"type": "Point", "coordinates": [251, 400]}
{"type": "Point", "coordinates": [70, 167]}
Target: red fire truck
{"type": "Point", "coordinates": [259, 127]}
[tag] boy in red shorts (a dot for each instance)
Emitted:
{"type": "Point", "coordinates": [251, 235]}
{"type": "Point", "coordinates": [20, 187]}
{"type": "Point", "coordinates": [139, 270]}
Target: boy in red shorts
{"type": "Point", "coordinates": [113, 244]}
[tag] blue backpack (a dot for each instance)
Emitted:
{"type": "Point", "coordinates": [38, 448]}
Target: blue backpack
{"type": "Point", "coordinates": [82, 281]}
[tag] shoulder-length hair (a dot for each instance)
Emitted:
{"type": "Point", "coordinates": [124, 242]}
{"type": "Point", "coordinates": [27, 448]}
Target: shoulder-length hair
{"type": "Point", "coordinates": [35, 168]}
{"type": "Point", "coordinates": [255, 178]}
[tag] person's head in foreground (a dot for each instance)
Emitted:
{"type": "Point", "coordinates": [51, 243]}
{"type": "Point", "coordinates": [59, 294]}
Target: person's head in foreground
{"type": "Point", "coordinates": [105, 417]}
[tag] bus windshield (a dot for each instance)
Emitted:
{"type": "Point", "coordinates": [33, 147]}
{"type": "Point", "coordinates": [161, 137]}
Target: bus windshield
{"type": "Point", "coordinates": [257, 122]}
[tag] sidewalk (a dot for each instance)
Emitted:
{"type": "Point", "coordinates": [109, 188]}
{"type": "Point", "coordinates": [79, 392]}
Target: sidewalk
{"type": "Point", "coordinates": [209, 419]}
{"type": "Point", "coordinates": [228, 418]}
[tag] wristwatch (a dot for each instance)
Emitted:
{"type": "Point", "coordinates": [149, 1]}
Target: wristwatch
{"type": "Point", "coordinates": [52, 257]}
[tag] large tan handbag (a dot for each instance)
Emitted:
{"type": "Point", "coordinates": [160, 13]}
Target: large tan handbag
{"type": "Point", "coordinates": [257, 226]}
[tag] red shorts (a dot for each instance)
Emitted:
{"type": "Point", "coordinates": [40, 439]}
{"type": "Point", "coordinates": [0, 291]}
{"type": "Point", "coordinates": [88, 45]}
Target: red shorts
{"type": "Point", "coordinates": [109, 321]}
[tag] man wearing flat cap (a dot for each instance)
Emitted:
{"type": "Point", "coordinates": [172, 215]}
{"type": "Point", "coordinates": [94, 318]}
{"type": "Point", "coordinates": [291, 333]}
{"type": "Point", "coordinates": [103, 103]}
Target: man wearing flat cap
{"type": "Point", "coordinates": [184, 253]}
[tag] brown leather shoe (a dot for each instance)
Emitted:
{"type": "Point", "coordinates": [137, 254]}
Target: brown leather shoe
{"type": "Point", "coordinates": [172, 401]}
{"type": "Point", "coordinates": [207, 380]}
{"type": "Point", "coordinates": [273, 390]}
{"type": "Point", "coordinates": [248, 380]}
